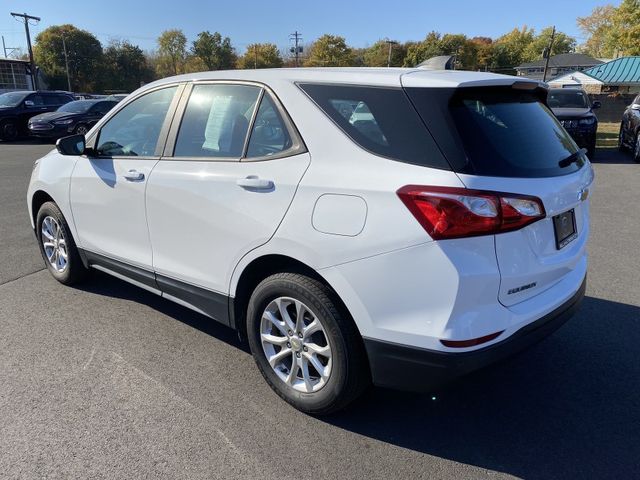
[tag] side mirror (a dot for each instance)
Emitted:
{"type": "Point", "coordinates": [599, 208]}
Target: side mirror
{"type": "Point", "coordinates": [72, 145]}
{"type": "Point", "coordinates": [29, 103]}
{"type": "Point", "coordinates": [596, 104]}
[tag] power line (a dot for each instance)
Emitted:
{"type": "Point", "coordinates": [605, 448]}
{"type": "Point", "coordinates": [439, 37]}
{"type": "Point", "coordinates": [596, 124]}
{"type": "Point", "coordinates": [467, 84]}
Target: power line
{"type": "Point", "coordinates": [25, 19]}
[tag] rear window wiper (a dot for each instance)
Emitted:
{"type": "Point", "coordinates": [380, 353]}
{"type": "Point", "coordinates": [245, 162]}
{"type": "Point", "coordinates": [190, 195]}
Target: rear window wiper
{"type": "Point", "coordinates": [573, 158]}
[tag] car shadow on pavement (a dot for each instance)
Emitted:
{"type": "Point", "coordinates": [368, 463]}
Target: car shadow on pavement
{"type": "Point", "coordinates": [568, 407]}
{"type": "Point", "coordinates": [106, 285]}
{"type": "Point", "coordinates": [612, 156]}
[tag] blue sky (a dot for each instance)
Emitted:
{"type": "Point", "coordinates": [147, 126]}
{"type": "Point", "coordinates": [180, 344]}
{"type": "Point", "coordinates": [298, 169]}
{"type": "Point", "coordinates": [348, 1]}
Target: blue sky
{"type": "Point", "coordinates": [247, 21]}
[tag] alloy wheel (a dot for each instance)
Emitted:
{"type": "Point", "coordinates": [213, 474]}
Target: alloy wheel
{"type": "Point", "coordinates": [295, 344]}
{"type": "Point", "coordinates": [54, 244]}
{"type": "Point", "coordinates": [81, 130]}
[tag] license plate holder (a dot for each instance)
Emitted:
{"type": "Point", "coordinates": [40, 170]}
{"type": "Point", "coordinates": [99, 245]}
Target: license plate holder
{"type": "Point", "coordinates": [564, 226]}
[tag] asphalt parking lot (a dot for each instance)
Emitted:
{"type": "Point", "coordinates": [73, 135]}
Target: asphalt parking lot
{"type": "Point", "coordinates": [109, 381]}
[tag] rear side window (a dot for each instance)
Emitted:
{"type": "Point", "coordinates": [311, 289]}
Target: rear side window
{"type": "Point", "coordinates": [216, 121]}
{"type": "Point", "coordinates": [380, 120]}
{"type": "Point", "coordinates": [269, 135]}
{"type": "Point", "coordinates": [501, 132]}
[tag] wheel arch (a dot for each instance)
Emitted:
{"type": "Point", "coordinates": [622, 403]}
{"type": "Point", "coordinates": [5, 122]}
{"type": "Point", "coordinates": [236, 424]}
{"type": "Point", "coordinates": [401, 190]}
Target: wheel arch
{"type": "Point", "coordinates": [260, 268]}
{"type": "Point", "coordinates": [39, 198]}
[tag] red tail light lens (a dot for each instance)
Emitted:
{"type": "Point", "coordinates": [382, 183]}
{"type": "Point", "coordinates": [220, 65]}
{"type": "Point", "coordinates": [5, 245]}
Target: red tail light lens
{"type": "Point", "coordinates": [449, 212]}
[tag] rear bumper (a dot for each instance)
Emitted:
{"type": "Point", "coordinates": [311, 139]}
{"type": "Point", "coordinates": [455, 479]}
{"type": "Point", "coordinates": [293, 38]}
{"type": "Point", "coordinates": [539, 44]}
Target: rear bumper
{"type": "Point", "coordinates": [415, 369]}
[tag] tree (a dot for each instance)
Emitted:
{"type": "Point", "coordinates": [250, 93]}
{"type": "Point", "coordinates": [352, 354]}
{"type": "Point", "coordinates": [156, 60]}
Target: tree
{"type": "Point", "coordinates": [213, 51]}
{"type": "Point", "coordinates": [464, 50]}
{"type": "Point", "coordinates": [598, 28]}
{"type": "Point", "coordinates": [562, 43]}
{"type": "Point", "coordinates": [509, 49]}
{"type": "Point", "coordinates": [172, 53]}
{"type": "Point", "coordinates": [421, 51]}
{"type": "Point", "coordinates": [377, 55]}
{"type": "Point", "coordinates": [261, 55]}
{"type": "Point", "coordinates": [330, 51]}
{"type": "Point", "coordinates": [624, 38]}
{"type": "Point", "coordinates": [484, 52]}
{"type": "Point", "coordinates": [613, 31]}
{"type": "Point", "coordinates": [125, 67]}
{"type": "Point", "coordinates": [84, 53]}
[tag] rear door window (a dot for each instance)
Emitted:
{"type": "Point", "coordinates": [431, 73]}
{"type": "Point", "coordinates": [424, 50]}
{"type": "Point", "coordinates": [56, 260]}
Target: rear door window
{"type": "Point", "coordinates": [216, 121]}
{"type": "Point", "coordinates": [500, 131]}
{"type": "Point", "coordinates": [380, 120]}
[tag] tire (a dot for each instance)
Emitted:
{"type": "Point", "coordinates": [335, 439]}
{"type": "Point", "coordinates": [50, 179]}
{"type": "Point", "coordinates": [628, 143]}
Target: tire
{"type": "Point", "coordinates": [591, 152]}
{"type": "Point", "coordinates": [8, 131]}
{"type": "Point", "coordinates": [346, 368]}
{"type": "Point", "coordinates": [636, 149]}
{"type": "Point", "coordinates": [52, 228]}
{"type": "Point", "coordinates": [81, 130]}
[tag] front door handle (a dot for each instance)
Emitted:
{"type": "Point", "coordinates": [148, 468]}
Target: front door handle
{"type": "Point", "coordinates": [253, 182]}
{"type": "Point", "coordinates": [134, 176]}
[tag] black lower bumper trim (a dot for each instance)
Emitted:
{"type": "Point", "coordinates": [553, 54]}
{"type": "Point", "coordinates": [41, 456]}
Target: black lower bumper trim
{"type": "Point", "coordinates": [415, 369]}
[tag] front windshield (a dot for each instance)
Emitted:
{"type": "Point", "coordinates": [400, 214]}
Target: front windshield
{"type": "Point", "coordinates": [567, 99]}
{"type": "Point", "coordinates": [12, 99]}
{"type": "Point", "coordinates": [79, 106]}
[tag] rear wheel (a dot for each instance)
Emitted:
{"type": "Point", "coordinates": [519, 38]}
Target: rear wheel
{"type": "Point", "coordinates": [307, 349]}
{"type": "Point", "coordinates": [8, 130]}
{"type": "Point", "coordinates": [57, 246]}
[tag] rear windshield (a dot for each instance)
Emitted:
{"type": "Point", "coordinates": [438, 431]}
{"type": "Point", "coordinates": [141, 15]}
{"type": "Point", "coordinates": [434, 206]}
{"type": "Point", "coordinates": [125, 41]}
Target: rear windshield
{"type": "Point", "coordinates": [501, 132]}
{"type": "Point", "coordinates": [567, 98]}
{"type": "Point", "coordinates": [380, 120]}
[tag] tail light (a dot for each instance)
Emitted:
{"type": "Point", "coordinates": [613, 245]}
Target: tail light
{"type": "Point", "coordinates": [450, 212]}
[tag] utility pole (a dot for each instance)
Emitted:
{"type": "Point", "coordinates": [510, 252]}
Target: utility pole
{"type": "Point", "coordinates": [5, 48]}
{"type": "Point", "coordinates": [391, 43]}
{"type": "Point", "coordinates": [547, 54]}
{"type": "Point", "coordinates": [66, 62]}
{"type": "Point", "coordinates": [26, 18]}
{"type": "Point", "coordinates": [296, 50]}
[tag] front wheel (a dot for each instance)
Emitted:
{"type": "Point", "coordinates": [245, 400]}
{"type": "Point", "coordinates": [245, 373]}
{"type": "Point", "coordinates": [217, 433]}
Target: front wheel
{"type": "Point", "coordinates": [306, 347]}
{"type": "Point", "coordinates": [8, 131]}
{"type": "Point", "coordinates": [81, 130]}
{"type": "Point", "coordinates": [57, 246]}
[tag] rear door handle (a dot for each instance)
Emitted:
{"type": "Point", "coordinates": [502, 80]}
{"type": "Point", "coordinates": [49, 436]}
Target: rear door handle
{"type": "Point", "coordinates": [134, 176]}
{"type": "Point", "coordinates": [253, 182]}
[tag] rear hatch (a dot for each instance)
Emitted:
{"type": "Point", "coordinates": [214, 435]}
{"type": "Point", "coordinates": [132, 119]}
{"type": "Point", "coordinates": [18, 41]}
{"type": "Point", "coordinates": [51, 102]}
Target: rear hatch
{"type": "Point", "coordinates": [504, 138]}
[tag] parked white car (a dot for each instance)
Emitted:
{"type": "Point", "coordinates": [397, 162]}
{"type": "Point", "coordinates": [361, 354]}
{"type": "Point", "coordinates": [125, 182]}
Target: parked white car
{"type": "Point", "coordinates": [443, 229]}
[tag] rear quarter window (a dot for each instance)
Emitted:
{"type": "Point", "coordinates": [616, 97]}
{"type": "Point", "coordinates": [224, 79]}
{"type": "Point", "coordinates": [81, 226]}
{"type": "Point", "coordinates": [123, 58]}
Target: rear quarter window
{"type": "Point", "coordinates": [381, 120]}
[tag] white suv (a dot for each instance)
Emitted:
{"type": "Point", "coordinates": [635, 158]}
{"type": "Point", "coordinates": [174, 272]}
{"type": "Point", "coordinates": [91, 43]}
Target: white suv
{"type": "Point", "coordinates": [399, 227]}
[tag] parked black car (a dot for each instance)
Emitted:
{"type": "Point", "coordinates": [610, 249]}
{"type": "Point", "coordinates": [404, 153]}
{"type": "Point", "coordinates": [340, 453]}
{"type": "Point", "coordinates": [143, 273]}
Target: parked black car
{"type": "Point", "coordinates": [575, 111]}
{"type": "Point", "coordinates": [629, 138]}
{"type": "Point", "coordinates": [16, 108]}
{"type": "Point", "coordinates": [74, 117]}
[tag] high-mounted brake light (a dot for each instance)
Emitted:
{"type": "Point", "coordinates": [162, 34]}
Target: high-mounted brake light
{"type": "Point", "coordinates": [450, 212]}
